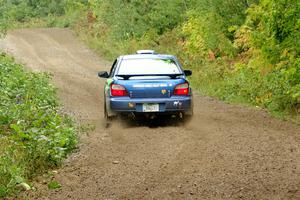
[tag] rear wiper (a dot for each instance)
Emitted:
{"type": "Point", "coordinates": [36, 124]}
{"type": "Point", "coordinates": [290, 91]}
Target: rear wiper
{"type": "Point", "coordinates": [127, 76]}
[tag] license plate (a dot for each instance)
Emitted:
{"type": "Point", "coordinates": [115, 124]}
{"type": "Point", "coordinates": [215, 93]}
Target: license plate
{"type": "Point", "coordinates": [150, 107]}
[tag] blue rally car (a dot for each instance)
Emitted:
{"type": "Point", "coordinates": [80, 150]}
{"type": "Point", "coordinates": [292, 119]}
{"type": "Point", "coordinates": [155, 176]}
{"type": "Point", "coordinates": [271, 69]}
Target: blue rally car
{"type": "Point", "coordinates": [149, 84]}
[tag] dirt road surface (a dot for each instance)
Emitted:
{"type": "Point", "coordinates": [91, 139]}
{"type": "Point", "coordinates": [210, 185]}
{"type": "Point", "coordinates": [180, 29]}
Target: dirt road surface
{"type": "Point", "coordinates": [225, 152]}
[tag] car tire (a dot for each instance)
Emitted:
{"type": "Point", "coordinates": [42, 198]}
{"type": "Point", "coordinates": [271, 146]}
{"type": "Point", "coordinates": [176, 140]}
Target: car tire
{"type": "Point", "coordinates": [105, 112]}
{"type": "Point", "coordinates": [107, 116]}
{"type": "Point", "coordinates": [189, 115]}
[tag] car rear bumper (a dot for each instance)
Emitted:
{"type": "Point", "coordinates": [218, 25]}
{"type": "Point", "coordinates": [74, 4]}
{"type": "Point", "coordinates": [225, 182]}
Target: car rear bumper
{"type": "Point", "coordinates": [172, 104]}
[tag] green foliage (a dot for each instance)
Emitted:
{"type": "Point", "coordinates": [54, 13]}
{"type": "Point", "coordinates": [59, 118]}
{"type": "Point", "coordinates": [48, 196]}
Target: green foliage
{"type": "Point", "coordinates": [33, 135]}
{"type": "Point", "coordinates": [211, 26]}
{"type": "Point", "coordinates": [274, 36]}
{"type": "Point", "coordinates": [19, 11]}
{"type": "Point", "coordinates": [205, 36]}
{"type": "Point", "coordinates": [54, 185]}
{"type": "Point", "coordinates": [132, 19]}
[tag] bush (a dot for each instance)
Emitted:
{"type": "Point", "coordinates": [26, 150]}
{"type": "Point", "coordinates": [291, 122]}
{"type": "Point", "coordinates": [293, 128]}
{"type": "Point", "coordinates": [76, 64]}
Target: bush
{"type": "Point", "coordinates": [33, 135]}
{"type": "Point", "coordinates": [20, 11]}
{"type": "Point", "coordinates": [273, 41]}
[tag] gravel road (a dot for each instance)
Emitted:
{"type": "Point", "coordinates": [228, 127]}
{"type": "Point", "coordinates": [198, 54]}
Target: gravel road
{"type": "Point", "coordinates": [224, 152]}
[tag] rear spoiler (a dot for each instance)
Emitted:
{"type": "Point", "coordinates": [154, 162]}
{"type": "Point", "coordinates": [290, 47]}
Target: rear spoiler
{"type": "Point", "coordinates": [126, 77]}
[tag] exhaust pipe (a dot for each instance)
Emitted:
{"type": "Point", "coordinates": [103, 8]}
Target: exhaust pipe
{"type": "Point", "coordinates": [152, 116]}
{"type": "Point", "coordinates": [132, 115]}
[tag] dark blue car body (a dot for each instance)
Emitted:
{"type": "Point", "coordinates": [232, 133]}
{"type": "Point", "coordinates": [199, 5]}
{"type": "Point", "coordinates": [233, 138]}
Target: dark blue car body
{"type": "Point", "coordinates": [150, 93]}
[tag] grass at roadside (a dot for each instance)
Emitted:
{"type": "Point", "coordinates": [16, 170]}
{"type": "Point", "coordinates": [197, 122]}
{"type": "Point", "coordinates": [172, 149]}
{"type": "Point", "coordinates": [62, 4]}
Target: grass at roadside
{"type": "Point", "coordinates": [33, 135]}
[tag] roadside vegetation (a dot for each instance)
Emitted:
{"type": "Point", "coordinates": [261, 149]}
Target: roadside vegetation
{"type": "Point", "coordinates": [33, 135]}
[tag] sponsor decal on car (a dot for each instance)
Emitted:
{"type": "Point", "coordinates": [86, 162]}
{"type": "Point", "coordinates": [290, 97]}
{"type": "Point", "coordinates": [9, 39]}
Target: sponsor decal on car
{"type": "Point", "coordinates": [149, 85]}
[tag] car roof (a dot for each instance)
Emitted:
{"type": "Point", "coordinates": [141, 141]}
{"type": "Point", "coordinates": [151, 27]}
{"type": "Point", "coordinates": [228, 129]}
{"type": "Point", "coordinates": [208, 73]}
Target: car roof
{"type": "Point", "coordinates": [145, 56]}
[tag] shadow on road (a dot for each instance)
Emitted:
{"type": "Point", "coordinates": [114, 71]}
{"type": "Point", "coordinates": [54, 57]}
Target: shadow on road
{"type": "Point", "coordinates": [157, 122]}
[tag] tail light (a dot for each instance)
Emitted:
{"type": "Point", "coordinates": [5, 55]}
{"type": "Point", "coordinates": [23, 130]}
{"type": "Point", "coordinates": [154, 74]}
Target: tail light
{"type": "Point", "coordinates": [118, 90]}
{"type": "Point", "coordinates": [182, 89]}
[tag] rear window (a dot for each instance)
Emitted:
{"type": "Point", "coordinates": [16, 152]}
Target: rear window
{"type": "Point", "coordinates": [146, 66]}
